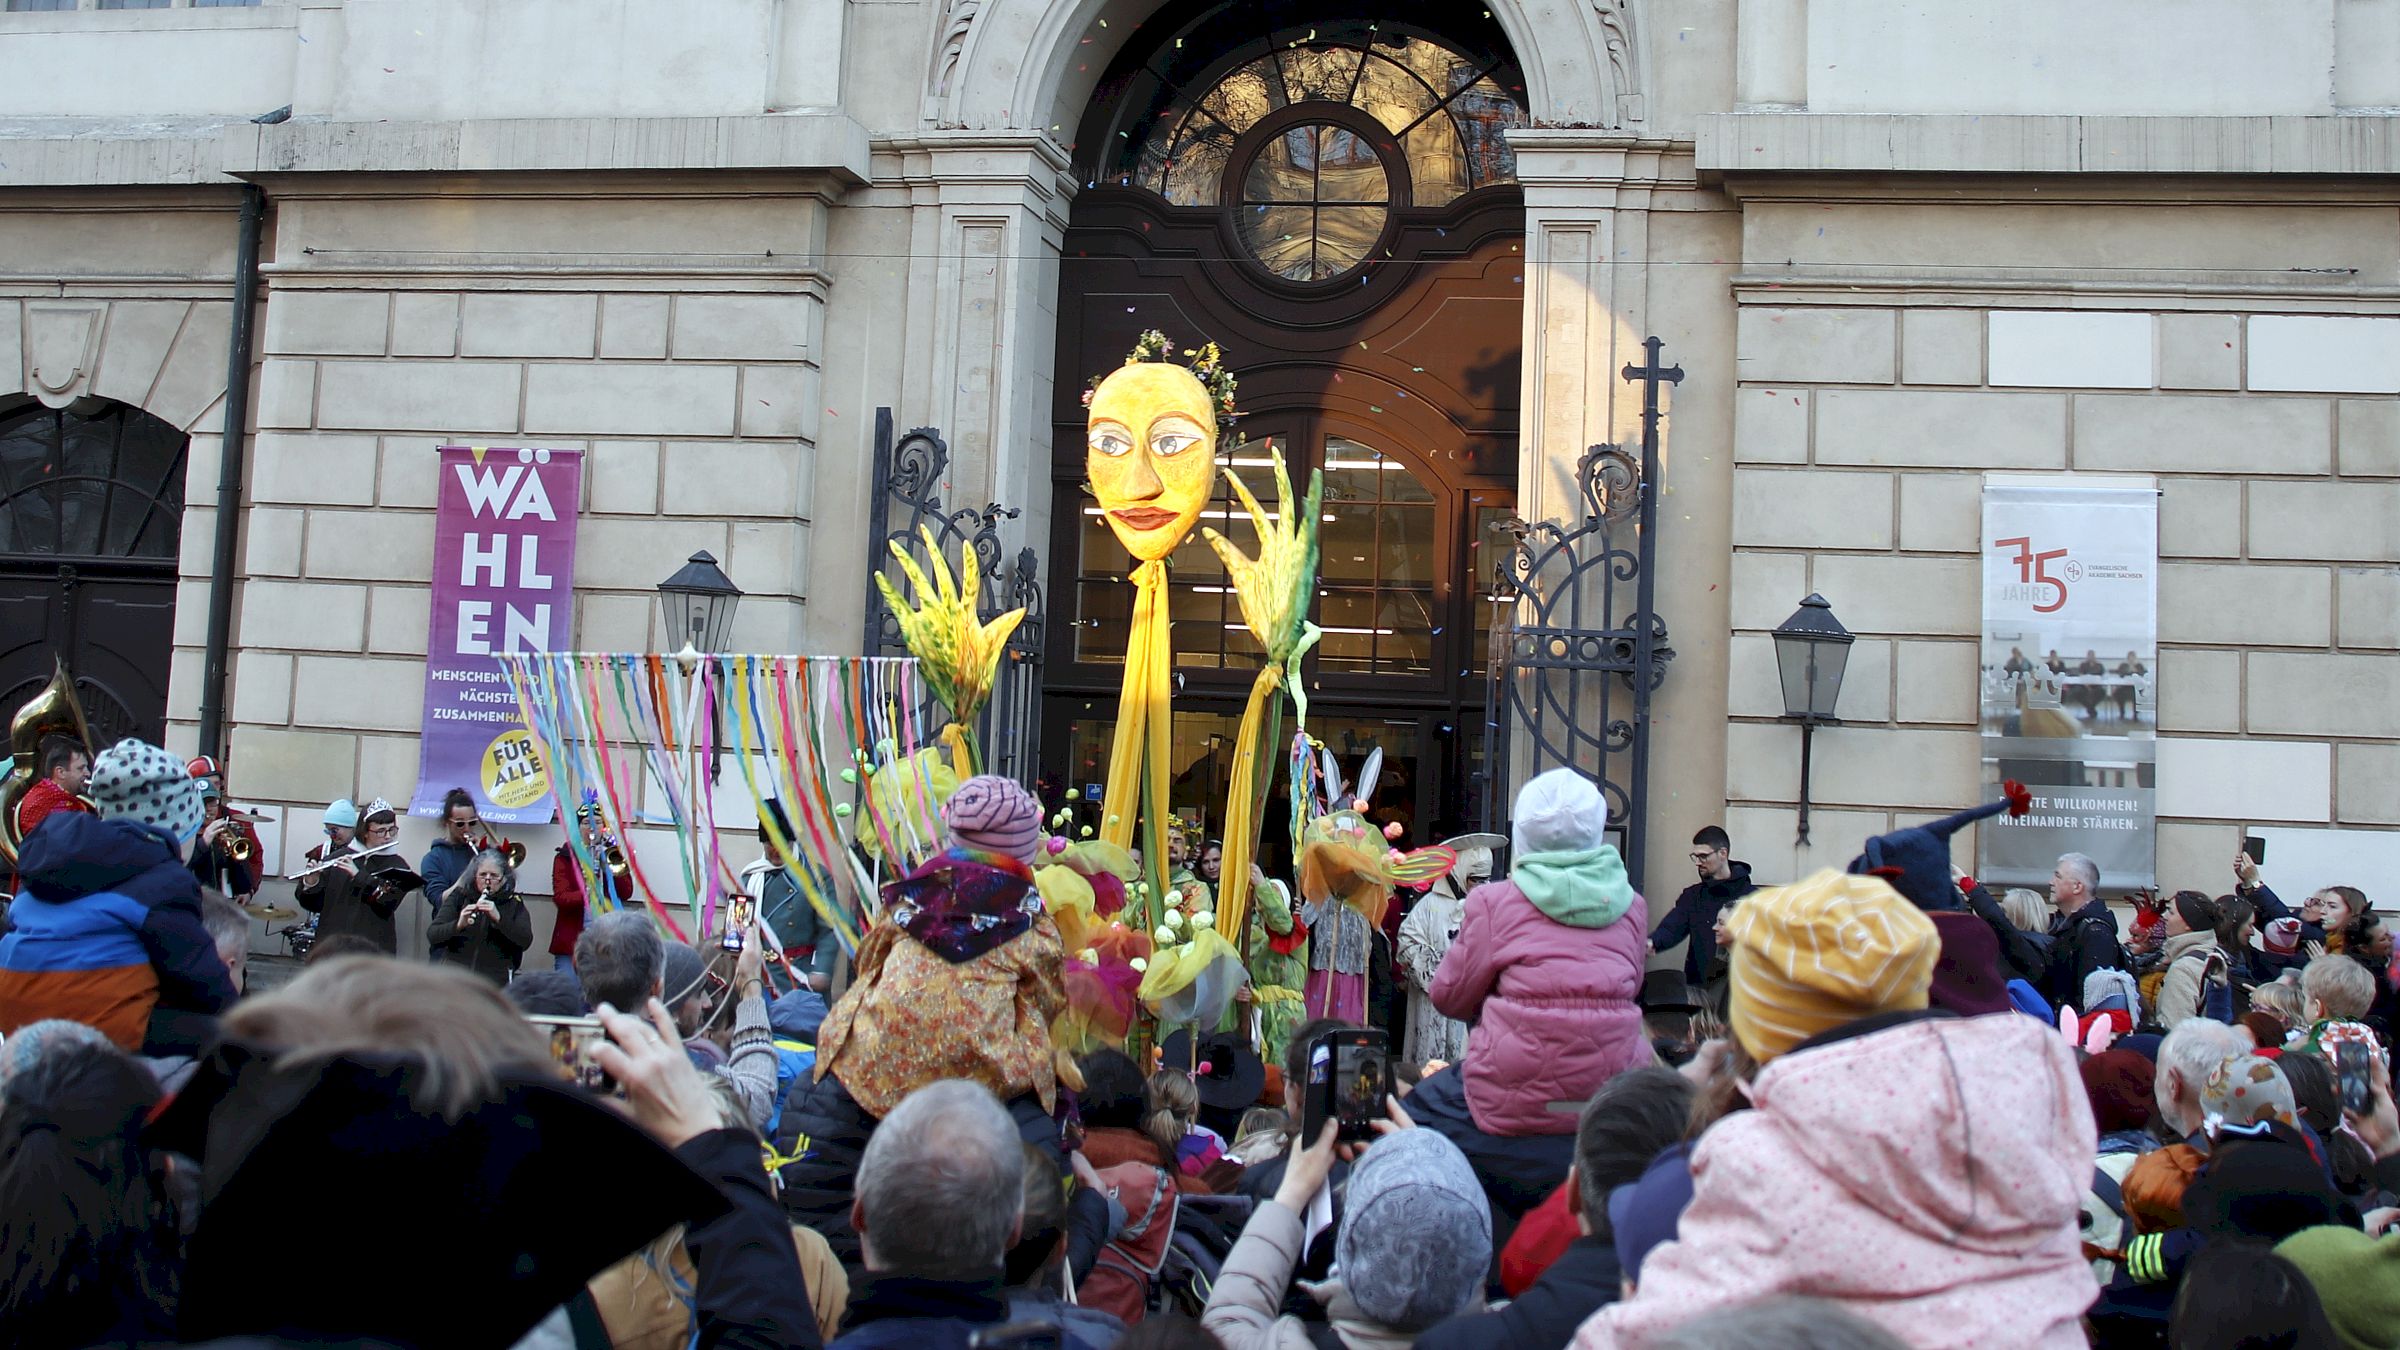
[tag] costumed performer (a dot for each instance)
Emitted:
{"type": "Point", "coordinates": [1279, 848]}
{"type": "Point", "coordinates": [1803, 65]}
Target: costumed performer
{"type": "Point", "coordinates": [1183, 876]}
{"type": "Point", "coordinates": [1425, 938]}
{"type": "Point", "coordinates": [359, 895]}
{"type": "Point", "coordinates": [1083, 886]}
{"type": "Point", "coordinates": [959, 978]}
{"type": "Point", "coordinates": [1278, 959]}
{"type": "Point", "coordinates": [1348, 870]}
{"type": "Point", "coordinates": [1151, 454]}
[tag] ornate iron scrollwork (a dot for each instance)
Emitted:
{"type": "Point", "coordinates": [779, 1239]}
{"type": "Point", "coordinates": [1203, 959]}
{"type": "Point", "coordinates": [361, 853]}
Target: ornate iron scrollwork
{"type": "Point", "coordinates": [1577, 649]}
{"type": "Point", "coordinates": [908, 475]}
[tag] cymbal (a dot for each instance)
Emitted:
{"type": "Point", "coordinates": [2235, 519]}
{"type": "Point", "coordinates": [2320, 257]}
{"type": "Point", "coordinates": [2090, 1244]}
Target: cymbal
{"type": "Point", "coordinates": [271, 912]}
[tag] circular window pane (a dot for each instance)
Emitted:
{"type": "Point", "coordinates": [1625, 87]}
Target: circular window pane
{"type": "Point", "coordinates": [1314, 201]}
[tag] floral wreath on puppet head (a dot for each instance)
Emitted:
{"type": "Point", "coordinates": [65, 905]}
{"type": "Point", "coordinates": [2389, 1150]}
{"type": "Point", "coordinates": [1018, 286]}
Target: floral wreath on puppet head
{"type": "Point", "coordinates": [1207, 364]}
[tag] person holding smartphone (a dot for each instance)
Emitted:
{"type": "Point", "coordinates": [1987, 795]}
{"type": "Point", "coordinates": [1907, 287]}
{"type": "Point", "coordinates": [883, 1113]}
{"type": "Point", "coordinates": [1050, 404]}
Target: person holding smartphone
{"type": "Point", "coordinates": [481, 924]}
{"type": "Point", "coordinates": [1412, 1245]}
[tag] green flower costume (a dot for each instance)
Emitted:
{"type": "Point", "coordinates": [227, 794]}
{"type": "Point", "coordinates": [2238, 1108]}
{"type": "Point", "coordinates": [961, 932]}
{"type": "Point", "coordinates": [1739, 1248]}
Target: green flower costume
{"type": "Point", "coordinates": [1276, 977]}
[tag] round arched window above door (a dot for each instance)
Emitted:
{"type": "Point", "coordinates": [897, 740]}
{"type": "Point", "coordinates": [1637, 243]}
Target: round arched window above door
{"type": "Point", "coordinates": [91, 523]}
{"type": "Point", "coordinates": [1315, 197]}
{"type": "Point", "coordinates": [1317, 142]}
{"type": "Point", "coordinates": [104, 485]}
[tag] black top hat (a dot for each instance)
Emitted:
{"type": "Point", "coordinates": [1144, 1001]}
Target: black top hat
{"type": "Point", "coordinates": [1667, 991]}
{"type": "Point", "coordinates": [516, 1203]}
{"type": "Point", "coordinates": [1228, 1072]}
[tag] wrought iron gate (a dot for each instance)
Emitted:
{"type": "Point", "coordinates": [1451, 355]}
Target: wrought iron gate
{"type": "Point", "coordinates": [908, 475]}
{"type": "Point", "coordinates": [1577, 647]}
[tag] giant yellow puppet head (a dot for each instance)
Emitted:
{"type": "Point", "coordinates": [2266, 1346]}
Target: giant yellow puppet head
{"type": "Point", "coordinates": [1152, 447]}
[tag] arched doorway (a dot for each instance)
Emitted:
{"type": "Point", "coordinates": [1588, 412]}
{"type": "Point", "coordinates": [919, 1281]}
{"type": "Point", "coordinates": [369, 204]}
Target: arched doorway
{"type": "Point", "coordinates": [1331, 199]}
{"type": "Point", "coordinates": [91, 518]}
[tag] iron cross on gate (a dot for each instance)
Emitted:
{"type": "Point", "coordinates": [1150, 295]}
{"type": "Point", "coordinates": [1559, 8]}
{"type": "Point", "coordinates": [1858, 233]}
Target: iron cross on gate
{"type": "Point", "coordinates": [1645, 625]}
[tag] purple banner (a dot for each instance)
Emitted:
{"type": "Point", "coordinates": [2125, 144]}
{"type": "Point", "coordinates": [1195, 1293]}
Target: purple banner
{"type": "Point", "coordinates": [503, 581]}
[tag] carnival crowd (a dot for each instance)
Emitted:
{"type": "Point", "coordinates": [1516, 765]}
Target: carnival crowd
{"type": "Point", "coordinates": [1874, 1107]}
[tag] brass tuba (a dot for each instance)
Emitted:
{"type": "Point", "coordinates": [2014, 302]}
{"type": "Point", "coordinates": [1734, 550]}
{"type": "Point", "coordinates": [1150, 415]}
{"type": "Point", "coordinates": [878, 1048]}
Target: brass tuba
{"type": "Point", "coordinates": [52, 712]}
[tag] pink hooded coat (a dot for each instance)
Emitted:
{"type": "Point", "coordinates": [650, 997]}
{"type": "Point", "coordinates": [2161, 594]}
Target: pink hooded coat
{"type": "Point", "coordinates": [1929, 1177]}
{"type": "Point", "coordinates": [1553, 1008]}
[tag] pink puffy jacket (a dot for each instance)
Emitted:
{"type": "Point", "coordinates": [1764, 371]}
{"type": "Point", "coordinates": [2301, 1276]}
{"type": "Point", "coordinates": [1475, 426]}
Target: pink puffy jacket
{"type": "Point", "coordinates": [1929, 1177]}
{"type": "Point", "coordinates": [1552, 1005]}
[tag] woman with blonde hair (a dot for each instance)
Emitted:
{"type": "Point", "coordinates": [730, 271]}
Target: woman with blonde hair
{"type": "Point", "coordinates": [2027, 911]}
{"type": "Point", "coordinates": [1174, 1121]}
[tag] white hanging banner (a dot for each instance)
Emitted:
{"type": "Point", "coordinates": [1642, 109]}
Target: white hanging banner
{"type": "Point", "coordinates": [2069, 676]}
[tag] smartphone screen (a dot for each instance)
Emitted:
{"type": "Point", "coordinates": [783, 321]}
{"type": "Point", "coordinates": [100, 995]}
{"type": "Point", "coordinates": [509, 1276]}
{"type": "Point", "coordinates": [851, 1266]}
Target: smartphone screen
{"type": "Point", "coordinates": [572, 1041]}
{"type": "Point", "coordinates": [2256, 847]}
{"type": "Point", "coordinates": [1359, 1083]}
{"type": "Point", "coordinates": [2351, 1065]}
{"type": "Point", "coordinates": [1317, 1101]}
{"type": "Point", "coordinates": [737, 923]}
{"type": "Point", "coordinates": [1348, 1078]}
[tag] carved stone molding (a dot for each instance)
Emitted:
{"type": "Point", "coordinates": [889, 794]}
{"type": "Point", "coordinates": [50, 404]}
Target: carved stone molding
{"type": "Point", "coordinates": [1621, 39]}
{"type": "Point", "coordinates": [949, 48]}
{"type": "Point", "coordinates": [62, 342]}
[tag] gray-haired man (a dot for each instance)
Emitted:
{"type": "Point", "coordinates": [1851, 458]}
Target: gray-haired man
{"type": "Point", "coordinates": [940, 1198]}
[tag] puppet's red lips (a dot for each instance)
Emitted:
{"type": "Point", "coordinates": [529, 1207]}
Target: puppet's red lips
{"type": "Point", "coordinates": [1145, 517]}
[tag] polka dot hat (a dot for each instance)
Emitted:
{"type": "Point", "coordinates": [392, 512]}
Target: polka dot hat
{"type": "Point", "coordinates": [135, 780]}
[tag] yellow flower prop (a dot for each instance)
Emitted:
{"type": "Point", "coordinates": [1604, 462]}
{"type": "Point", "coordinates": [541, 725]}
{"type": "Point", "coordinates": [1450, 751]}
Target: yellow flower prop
{"type": "Point", "coordinates": [1274, 592]}
{"type": "Point", "coordinates": [904, 807]}
{"type": "Point", "coordinates": [957, 652]}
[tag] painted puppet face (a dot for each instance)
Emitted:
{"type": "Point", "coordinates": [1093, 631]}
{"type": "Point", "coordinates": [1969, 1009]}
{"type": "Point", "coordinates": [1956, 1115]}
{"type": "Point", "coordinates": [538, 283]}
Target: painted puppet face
{"type": "Point", "coordinates": [1151, 454]}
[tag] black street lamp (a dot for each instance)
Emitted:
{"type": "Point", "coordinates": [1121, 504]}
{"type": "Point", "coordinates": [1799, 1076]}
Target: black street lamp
{"type": "Point", "coordinates": [1811, 649]}
{"type": "Point", "coordinates": [698, 601]}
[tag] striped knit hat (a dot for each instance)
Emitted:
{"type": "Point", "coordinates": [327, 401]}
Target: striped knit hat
{"type": "Point", "coordinates": [1822, 953]}
{"type": "Point", "coordinates": [996, 815]}
{"type": "Point", "coordinates": [135, 780]}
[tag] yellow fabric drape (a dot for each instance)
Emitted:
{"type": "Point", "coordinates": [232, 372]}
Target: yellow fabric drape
{"type": "Point", "coordinates": [1241, 809]}
{"type": "Point", "coordinates": [1138, 754]}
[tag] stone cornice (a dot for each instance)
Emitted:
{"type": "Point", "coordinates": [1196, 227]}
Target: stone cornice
{"type": "Point", "coordinates": [72, 153]}
{"type": "Point", "coordinates": [48, 156]}
{"type": "Point", "coordinates": [1021, 158]}
{"type": "Point", "coordinates": [1745, 143]}
{"type": "Point", "coordinates": [825, 141]}
{"type": "Point", "coordinates": [1576, 157]}
{"type": "Point", "coordinates": [2065, 288]}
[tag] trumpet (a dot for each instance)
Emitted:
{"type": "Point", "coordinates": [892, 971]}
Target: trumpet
{"type": "Point", "coordinates": [620, 868]}
{"type": "Point", "coordinates": [239, 847]}
{"type": "Point", "coordinates": [347, 856]}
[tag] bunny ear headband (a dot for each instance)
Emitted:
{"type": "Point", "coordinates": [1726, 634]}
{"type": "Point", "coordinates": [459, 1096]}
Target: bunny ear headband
{"type": "Point", "coordinates": [2094, 1038]}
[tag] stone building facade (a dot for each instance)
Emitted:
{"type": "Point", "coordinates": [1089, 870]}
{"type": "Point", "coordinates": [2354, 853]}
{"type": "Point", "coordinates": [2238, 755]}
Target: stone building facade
{"type": "Point", "coordinates": [1893, 245]}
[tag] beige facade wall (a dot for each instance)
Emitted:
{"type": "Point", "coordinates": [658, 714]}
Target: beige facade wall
{"type": "Point", "coordinates": [1882, 377]}
{"type": "Point", "coordinates": [684, 351]}
{"type": "Point", "coordinates": [705, 241]}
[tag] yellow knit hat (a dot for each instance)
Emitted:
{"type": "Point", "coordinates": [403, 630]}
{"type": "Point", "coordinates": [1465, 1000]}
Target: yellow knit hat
{"type": "Point", "coordinates": [1823, 952]}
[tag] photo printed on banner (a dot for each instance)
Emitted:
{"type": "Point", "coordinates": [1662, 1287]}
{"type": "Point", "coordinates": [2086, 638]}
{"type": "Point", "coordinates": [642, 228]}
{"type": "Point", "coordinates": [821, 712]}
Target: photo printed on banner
{"type": "Point", "coordinates": [2068, 679]}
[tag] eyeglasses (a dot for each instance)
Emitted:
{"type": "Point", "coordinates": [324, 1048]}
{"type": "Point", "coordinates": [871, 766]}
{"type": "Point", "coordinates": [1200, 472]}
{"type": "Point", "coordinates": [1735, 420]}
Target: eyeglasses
{"type": "Point", "coordinates": [1704, 855]}
{"type": "Point", "coordinates": [470, 823]}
